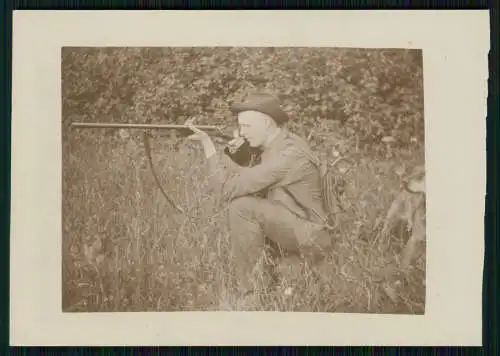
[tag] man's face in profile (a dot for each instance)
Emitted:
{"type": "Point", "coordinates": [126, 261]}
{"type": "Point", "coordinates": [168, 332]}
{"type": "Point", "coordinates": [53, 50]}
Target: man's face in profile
{"type": "Point", "coordinates": [254, 127]}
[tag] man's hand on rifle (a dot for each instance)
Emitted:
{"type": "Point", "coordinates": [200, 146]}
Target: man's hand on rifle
{"type": "Point", "coordinates": [201, 136]}
{"type": "Point", "coordinates": [235, 143]}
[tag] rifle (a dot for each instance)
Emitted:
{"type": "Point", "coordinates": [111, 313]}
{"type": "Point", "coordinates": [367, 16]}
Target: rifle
{"type": "Point", "coordinates": [244, 155]}
{"type": "Point", "coordinates": [182, 128]}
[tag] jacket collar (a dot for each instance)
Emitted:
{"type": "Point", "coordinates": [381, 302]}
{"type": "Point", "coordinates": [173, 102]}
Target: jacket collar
{"type": "Point", "coordinates": [276, 142]}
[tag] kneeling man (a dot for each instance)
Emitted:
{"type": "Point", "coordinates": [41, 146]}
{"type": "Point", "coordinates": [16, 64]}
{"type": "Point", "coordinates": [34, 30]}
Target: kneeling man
{"type": "Point", "coordinates": [278, 199]}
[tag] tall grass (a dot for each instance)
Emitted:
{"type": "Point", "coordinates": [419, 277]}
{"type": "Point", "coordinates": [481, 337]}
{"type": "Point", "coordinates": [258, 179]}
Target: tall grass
{"type": "Point", "coordinates": [126, 249]}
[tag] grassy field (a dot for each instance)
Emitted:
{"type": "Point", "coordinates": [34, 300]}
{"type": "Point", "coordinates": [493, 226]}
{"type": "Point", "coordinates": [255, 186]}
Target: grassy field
{"type": "Point", "coordinates": [126, 249]}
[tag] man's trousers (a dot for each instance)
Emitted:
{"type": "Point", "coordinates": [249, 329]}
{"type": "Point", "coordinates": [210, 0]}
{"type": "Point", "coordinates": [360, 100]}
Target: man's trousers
{"type": "Point", "coordinates": [253, 219]}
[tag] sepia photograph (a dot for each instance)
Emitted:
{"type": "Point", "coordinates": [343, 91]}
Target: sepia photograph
{"type": "Point", "coordinates": [312, 178]}
{"type": "Point", "coordinates": [287, 179]}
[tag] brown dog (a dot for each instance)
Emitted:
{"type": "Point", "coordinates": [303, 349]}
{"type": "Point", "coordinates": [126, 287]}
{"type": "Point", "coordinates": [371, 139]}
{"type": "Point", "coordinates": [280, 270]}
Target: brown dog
{"type": "Point", "coordinates": [409, 208]}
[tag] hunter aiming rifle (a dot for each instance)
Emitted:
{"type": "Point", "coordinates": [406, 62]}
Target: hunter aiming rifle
{"type": "Point", "coordinates": [243, 155]}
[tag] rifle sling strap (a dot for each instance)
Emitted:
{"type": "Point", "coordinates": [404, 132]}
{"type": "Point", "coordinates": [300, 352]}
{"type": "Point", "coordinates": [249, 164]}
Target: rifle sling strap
{"type": "Point", "coordinates": [147, 148]}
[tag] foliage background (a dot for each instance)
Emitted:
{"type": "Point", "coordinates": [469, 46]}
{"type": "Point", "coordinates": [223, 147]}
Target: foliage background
{"type": "Point", "coordinates": [124, 248]}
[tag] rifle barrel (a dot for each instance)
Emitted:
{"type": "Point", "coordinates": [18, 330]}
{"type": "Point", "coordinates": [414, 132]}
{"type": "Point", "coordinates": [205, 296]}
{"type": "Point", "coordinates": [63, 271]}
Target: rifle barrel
{"type": "Point", "coordinates": [142, 126]}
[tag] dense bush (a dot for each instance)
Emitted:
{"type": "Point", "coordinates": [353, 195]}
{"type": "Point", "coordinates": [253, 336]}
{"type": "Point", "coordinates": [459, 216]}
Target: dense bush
{"type": "Point", "coordinates": [369, 94]}
{"type": "Point", "coordinates": [125, 248]}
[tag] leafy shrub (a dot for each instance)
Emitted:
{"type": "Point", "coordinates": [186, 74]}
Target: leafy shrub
{"type": "Point", "coordinates": [369, 94]}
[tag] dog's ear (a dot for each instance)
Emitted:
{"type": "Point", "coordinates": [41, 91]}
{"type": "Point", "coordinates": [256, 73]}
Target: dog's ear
{"type": "Point", "coordinates": [415, 182]}
{"type": "Point", "coordinates": [417, 186]}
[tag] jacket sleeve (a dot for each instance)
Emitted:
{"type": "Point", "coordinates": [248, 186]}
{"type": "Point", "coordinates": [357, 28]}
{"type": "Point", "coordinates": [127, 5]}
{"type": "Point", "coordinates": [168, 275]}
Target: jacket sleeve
{"type": "Point", "coordinates": [220, 168]}
{"type": "Point", "coordinates": [252, 180]}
